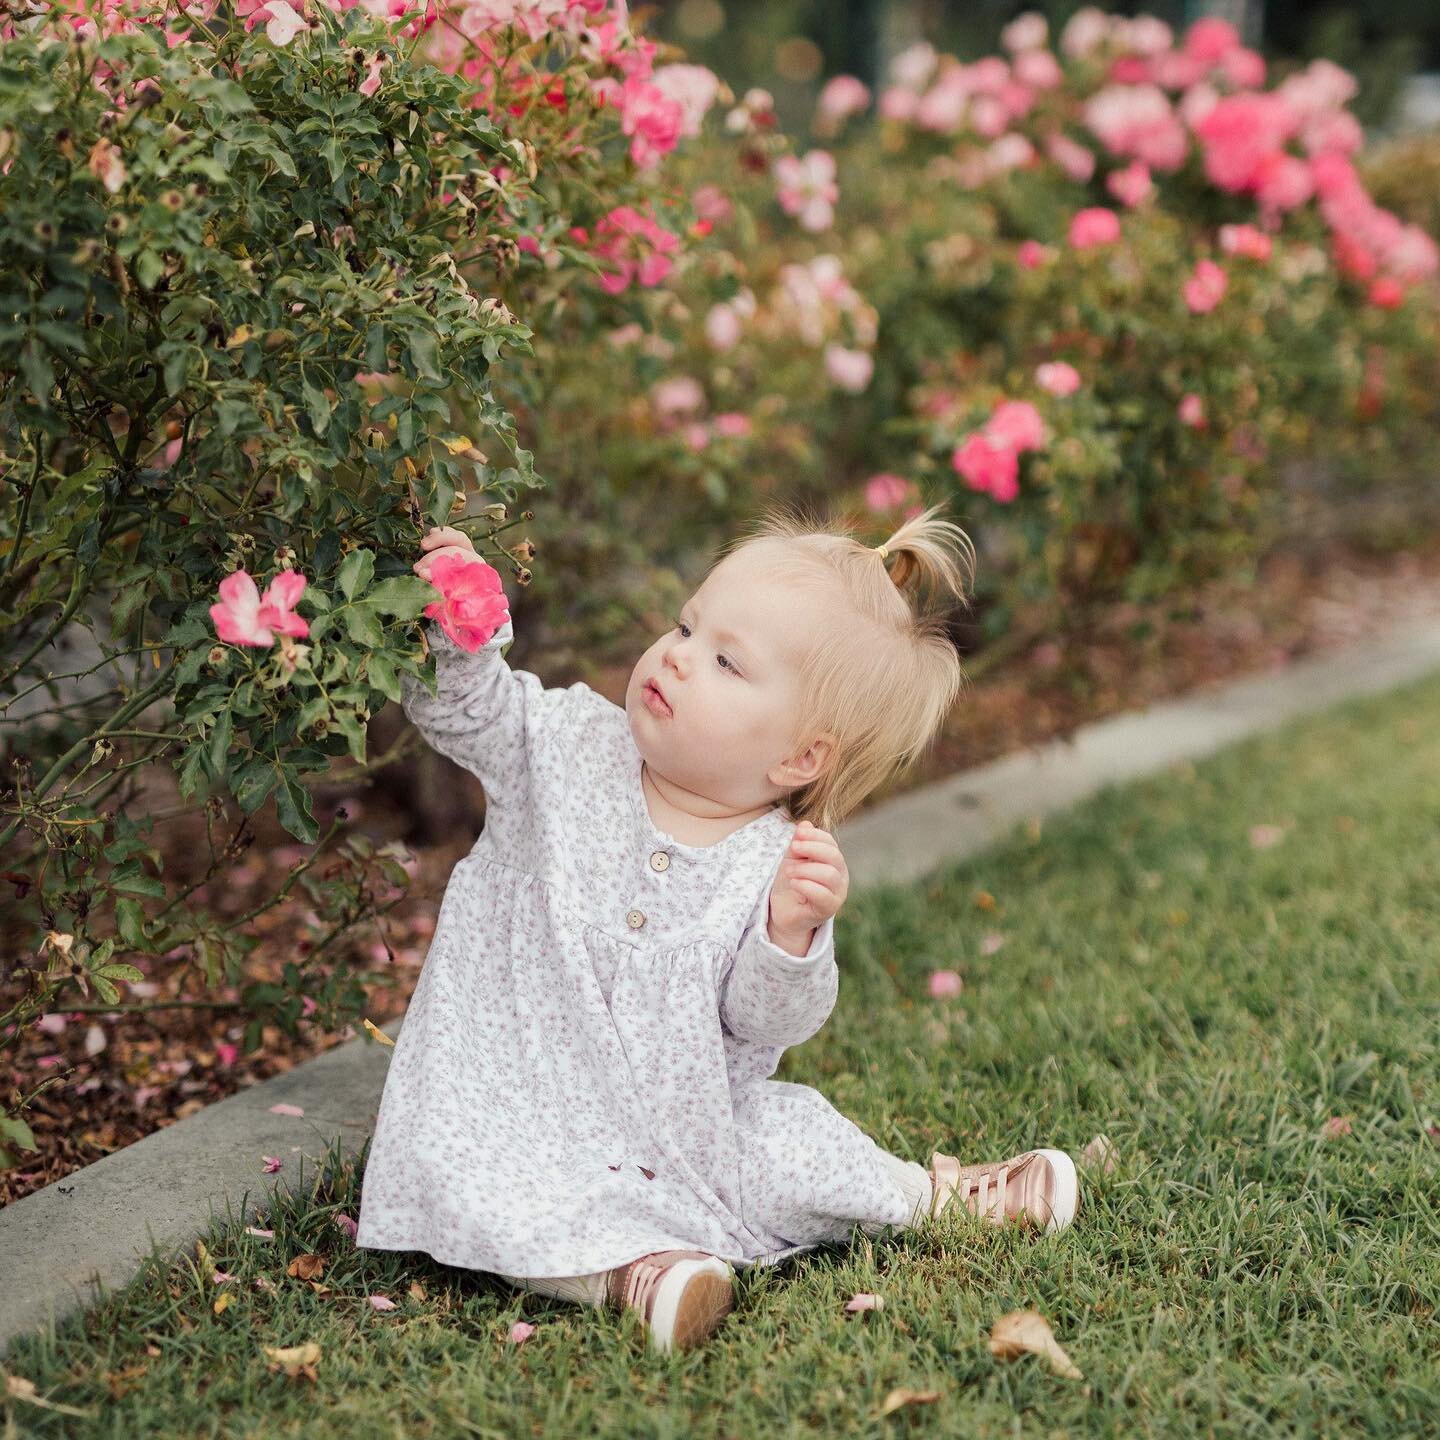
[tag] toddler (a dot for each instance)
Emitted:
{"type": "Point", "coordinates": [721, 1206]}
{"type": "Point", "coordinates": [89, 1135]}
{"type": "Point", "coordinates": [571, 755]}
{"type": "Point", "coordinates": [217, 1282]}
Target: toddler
{"type": "Point", "coordinates": [581, 1097]}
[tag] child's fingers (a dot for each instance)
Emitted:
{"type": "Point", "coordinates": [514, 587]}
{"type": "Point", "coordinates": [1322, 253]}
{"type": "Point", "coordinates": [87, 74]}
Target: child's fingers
{"type": "Point", "coordinates": [445, 535]}
{"type": "Point", "coordinates": [817, 872]}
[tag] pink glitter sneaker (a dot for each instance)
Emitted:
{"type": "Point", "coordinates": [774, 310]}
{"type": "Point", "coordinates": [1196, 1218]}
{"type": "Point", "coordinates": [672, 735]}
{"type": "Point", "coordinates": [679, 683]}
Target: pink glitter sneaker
{"type": "Point", "coordinates": [681, 1295]}
{"type": "Point", "coordinates": [1038, 1187]}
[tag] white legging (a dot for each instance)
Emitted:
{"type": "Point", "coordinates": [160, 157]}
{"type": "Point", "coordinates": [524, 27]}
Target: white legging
{"type": "Point", "coordinates": [913, 1179]}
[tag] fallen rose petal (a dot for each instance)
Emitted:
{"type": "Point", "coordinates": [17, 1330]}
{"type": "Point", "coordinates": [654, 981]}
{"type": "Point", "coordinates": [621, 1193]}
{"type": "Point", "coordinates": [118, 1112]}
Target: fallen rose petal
{"type": "Point", "coordinates": [95, 1040]}
{"type": "Point", "coordinates": [381, 1302]}
{"type": "Point", "coordinates": [1026, 1332]}
{"type": "Point", "coordinates": [1262, 837]}
{"type": "Point", "coordinates": [286, 1110]}
{"type": "Point", "coordinates": [221, 1276]}
{"type": "Point", "coordinates": [945, 984]}
{"type": "Point", "coordinates": [864, 1301]}
{"type": "Point", "coordinates": [264, 1234]}
{"type": "Point", "coordinates": [1100, 1151]}
{"type": "Point", "coordinates": [520, 1332]}
{"type": "Point", "coordinates": [1336, 1126]}
{"type": "Point", "coordinates": [272, 1163]}
{"type": "Point", "coordinates": [347, 1225]}
{"type": "Point", "coordinates": [900, 1396]}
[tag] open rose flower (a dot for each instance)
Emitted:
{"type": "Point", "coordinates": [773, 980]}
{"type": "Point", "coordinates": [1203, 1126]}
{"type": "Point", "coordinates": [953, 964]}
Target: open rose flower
{"type": "Point", "coordinates": [473, 604]}
{"type": "Point", "coordinates": [243, 616]}
{"type": "Point", "coordinates": [806, 188]}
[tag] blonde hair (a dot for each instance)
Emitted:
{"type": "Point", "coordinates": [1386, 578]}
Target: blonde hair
{"type": "Point", "coordinates": [883, 680]}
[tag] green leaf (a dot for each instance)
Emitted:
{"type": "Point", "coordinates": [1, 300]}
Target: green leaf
{"type": "Point", "coordinates": [130, 878]}
{"type": "Point", "coordinates": [423, 356]}
{"type": "Point", "coordinates": [356, 572]}
{"type": "Point", "coordinates": [403, 596]}
{"type": "Point", "coordinates": [348, 723]}
{"type": "Point", "coordinates": [292, 801]}
{"type": "Point", "coordinates": [130, 922]}
{"type": "Point", "coordinates": [363, 626]}
{"type": "Point", "coordinates": [220, 741]}
{"type": "Point", "coordinates": [17, 1132]}
{"type": "Point", "coordinates": [318, 407]}
{"type": "Point", "coordinates": [382, 676]}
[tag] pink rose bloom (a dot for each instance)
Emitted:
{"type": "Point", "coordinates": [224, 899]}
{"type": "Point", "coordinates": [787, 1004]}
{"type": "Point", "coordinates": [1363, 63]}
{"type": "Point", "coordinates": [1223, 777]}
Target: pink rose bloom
{"type": "Point", "coordinates": [1244, 69]}
{"type": "Point", "coordinates": [636, 245]}
{"type": "Point", "coordinates": [1210, 40]}
{"type": "Point", "coordinates": [1017, 425]}
{"type": "Point", "coordinates": [1205, 288]}
{"type": "Point", "coordinates": [885, 491]}
{"type": "Point", "coordinates": [1058, 378]}
{"type": "Point", "coordinates": [1094, 226]}
{"type": "Point", "coordinates": [1336, 130]}
{"type": "Point", "coordinates": [1038, 69]}
{"type": "Point", "coordinates": [1031, 254]}
{"type": "Point", "coordinates": [1175, 70]}
{"type": "Point", "coordinates": [679, 395]}
{"type": "Point", "coordinates": [1131, 186]}
{"type": "Point", "coordinates": [696, 435]}
{"type": "Point", "coordinates": [1387, 293]}
{"type": "Point", "coordinates": [989, 116]}
{"type": "Point", "coordinates": [723, 327]}
{"type": "Point", "coordinates": [1240, 133]}
{"type": "Point", "coordinates": [849, 369]}
{"type": "Point", "coordinates": [1026, 32]}
{"type": "Point", "coordinates": [652, 119]}
{"type": "Point", "coordinates": [472, 606]}
{"type": "Point", "coordinates": [987, 466]}
{"type": "Point", "coordinates": [243, 617]}
{"type": "Point", "coordinates": [806, 188]}
{"type": "Point", "coordinates": [1010, 152]}
{"type": "Point", "coordinates": [692, 87]}
{"type": "Point", "coordinates": [898, 103]}
{"type": "Point", "coordinates": [1191, 411]}
{"type": "Point", "coordinates": [1283, 182]}
{"type": "Point", "coordinates": [732, 425]}
{"type": "Point", "coordinates": [1074, 159]}
{"type": "Point", "coordinates": [842, 97]}
{"type": "Point", "coordinates": [520, 1332]}
{"type": "Point", "coordinates": [1245, 240]}
{"type": "Point", "coordinates": [711, 203]}
{"type": "Point", "coordinates": [1085, 31]}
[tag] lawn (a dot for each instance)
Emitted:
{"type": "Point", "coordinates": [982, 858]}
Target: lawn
{"type": "Point", "coordinates": [1250, 1014]}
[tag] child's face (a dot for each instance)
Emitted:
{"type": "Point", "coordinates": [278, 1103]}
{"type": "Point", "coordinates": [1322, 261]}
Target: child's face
{"type": "Point", "coordinates": [728, 670]}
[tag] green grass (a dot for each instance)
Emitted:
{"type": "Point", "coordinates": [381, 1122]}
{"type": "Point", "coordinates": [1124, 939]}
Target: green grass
{"type": "Point", "coordinates": [1206, 1004]}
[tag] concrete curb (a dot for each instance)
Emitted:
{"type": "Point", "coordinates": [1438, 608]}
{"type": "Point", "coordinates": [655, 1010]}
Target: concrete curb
{"type": "Point", "coordinates": [93, 1228]}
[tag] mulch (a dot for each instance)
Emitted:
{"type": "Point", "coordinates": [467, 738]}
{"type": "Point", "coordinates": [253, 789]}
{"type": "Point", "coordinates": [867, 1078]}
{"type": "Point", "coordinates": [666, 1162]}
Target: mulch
{"type": "Point", "coordinates": [116, 1078]}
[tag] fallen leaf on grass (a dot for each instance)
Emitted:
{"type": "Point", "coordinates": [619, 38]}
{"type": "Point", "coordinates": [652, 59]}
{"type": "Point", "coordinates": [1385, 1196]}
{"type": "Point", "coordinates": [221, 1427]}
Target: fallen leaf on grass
{"type": "Point", "coordinates": [306, 1267]}
{"type": "Point", "coordinates": [381, 1302]}
{"type": "Point", "coordinates": [417, 1290]}
{"type": "Point", "coordinates": [18, 1388]}
{"type": "Point", "coordinates": [224, 1302]}
{"type": "Point", "coordinates": [295, 1360]}
{"type": "Point", "coordinates": [900, 1396]}
{"type": "Point", "coordinates": [1101, 1152]}
{"type": "Point", "coordinates": [864, 1301]}
{"type": "Point", "coordinates": [1026, 1332]}
{"type": "Point", "coordinates": [379, 1035]}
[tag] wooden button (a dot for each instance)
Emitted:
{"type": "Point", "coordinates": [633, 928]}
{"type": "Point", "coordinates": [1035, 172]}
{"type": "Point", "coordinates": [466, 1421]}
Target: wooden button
{"type": "Point", "coordinates": [660, 860]}
{"type": "Point", "coordinates": [635, 919]}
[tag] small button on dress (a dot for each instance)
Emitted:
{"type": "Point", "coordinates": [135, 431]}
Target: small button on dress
{"type": "Point", "coordinates": [546, 1042]}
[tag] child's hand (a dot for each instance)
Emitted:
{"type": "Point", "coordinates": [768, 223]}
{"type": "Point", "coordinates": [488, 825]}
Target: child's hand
{"type": "Point", "coordinates": [442, 540]}
{"type": "Point", "coordinates": [810, 885]}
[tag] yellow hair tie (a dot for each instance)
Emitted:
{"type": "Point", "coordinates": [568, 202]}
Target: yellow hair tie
{"type": "Point", "coordinates": [884, 551]}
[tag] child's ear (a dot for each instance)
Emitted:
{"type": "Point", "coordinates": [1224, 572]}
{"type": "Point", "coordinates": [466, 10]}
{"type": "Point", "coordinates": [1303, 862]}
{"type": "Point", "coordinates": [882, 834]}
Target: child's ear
{"type": "Point", "coordinates": [811, 762]}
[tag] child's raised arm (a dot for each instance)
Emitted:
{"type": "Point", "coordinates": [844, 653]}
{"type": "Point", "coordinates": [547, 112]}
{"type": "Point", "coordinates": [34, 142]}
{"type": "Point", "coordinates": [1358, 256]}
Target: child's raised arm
{"type": "Point", "coordinates": [483, 715]}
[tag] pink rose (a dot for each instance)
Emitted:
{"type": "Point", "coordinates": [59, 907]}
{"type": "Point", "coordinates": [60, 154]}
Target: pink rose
{"type": "Point", "coordinates": [1094, 226]}
{"type": "Point", "coordinates": [1191, 411]}
{"type": "Point", "coordinates": [885, 491]}
{"type": "Point", "coordinates": [1205, 288]}
{"type": "Point", "coordinates": [1058, 378]}
{"type": "Point", "coordinates": [1016, 424]}
{"type": "Point", "coordinates": [986, 465]}
{"type": "Point", "coordinates": [243, 617]}
{"type": "Point", "coordinates": [473, 604]}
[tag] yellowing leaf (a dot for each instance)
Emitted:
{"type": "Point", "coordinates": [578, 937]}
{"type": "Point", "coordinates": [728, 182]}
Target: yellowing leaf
{"type": "Point", "coordinates": [1026, 1332]}
{"type": "Point", "coordinates": [375, 1031]}
{"type": "Point", "coordinates": [224, 1302]}
{"type": "Point", "coordinates": [900, 1396]}
{"type": "Point", "coordinates": [295, 1359]}
{"type": "Point", "coordinates": [456, 443]}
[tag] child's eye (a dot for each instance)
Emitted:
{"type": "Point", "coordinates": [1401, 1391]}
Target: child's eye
{"type": "Point", "coordinates": [684, 629]}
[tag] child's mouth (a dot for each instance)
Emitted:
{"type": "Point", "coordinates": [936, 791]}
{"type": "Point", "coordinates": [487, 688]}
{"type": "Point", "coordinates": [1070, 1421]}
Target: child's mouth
{"type": "Point", "coordinates": [655, 701]}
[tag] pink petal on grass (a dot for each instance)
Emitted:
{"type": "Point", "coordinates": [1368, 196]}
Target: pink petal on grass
{"type": "Point", "coordinates": [381, 1302]}
{"type": "Point", "coordinates": [864, 1301]}
{"type": "Point", "coordinates": [272, 1163]}
{"type": "Point", "coordinates": [221, 1276]}
{"type": "Point", "coordinates": [347, 1225]}
{"type": "Point", "coordinates": [945, 984]}
{"type": "Point", "coordinates": [1262, 837]}
{"type": "Point", "coordinates": [520, 1331]}
{"type": "Point", "coordinates": [286, 1110]}
{"type": "Point", "coordinates": [1100, 1152]}
{"type": "Point", "coordinates": [1336, 1126]}
{"type": "Point", "coordinates": [263, 1234]}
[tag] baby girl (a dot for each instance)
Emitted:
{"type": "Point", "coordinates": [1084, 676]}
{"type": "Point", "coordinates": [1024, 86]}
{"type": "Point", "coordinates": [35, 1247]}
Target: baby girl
{"type": "Point", "coordinates": [581, 1098]}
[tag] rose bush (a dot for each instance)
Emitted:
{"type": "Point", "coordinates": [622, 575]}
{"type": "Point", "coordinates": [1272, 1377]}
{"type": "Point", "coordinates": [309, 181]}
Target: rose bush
{"type": "Point", "coordinates": [260, 266]}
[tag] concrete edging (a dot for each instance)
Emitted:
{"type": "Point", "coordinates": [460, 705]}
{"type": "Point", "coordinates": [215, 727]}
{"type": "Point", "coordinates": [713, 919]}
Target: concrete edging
{"type": "Point", "coordinates": [93, 1228]}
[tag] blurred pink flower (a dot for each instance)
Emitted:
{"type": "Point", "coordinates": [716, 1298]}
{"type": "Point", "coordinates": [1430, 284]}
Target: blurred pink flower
{"type": "Point", "coordinates": [1245, 240]}
{"type": "Point", "coordinates": [1031, 254]}
{"type": "Point", "coordinates": [1094, 226]}
{"type": "Point", "coordinates": [677, 395]}
{"type": "Point", "coordinates": [1076, 160]}
{"type": "Point", "coordinates": [243, 617]}
{"type": "Point", "coordinates": [1191, 411]}
{"type": "Point", "coordinates": [520, 1332]}
{"type": "Point", "coordinates": [882, 492]}
{"type": "Point", "coordinates": [849, 369]}
{"type": "Point", "coordinates": [989, 466]}
{"type": "Point", "coordinates": [1017, 425]}
{"type": "Point", "coordinates": [1131, 186]}
{"type": "Point", "coordinates": [864, 1301]}
{"type": "Point", "coordinates": [841, 97]}
{"type": "Point", "coordinates": [1058, 378]}
{"type": "Point", "coordinates": [806, 188]}
{"type": "Point", "coordinates": [1205, 288]}
{"type": "Point", "coordinates": [945, 984]}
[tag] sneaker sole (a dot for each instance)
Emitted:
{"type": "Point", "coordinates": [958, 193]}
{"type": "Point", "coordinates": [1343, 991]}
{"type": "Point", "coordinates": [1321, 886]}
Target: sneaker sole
{"type": "Point", "coordinates": [1067, 1189]}
{"type": "Point", "coordinates": [693, 1299]}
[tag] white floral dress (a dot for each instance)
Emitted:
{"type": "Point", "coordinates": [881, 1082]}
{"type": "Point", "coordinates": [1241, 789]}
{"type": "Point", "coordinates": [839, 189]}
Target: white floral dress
{"type": "Point", "coordinates": [583, 1074]}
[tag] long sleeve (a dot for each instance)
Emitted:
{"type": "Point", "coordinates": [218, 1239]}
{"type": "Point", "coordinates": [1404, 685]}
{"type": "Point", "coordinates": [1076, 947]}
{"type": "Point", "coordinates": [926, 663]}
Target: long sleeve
{"type": "Point", "coordinates": [484, 715]}
{"type": "Point", "coordinates": [771, 996]}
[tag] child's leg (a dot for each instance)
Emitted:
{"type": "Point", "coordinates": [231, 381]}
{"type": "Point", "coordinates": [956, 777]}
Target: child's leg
{"type": "Point", "coordinates": [582, 1289]}
{"type": "Point", "coordinates": [914, 1182]}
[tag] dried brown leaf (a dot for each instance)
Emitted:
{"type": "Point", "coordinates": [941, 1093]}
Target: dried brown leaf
{"type": "Point", "coordinates": [1027, 1332]}
{"type": "Point", "coordinates": [901, 1396]}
